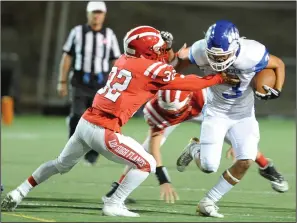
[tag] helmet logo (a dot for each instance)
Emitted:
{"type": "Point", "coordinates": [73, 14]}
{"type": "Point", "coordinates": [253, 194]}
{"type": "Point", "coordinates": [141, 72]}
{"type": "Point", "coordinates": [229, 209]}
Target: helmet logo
{"type": "Point", "coordinates": [233, 35]}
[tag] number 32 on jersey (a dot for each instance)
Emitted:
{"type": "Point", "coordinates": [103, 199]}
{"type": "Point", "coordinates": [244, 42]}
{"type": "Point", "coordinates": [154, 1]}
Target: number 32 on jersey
{"type": "Point", "coordinates": [118, 81]}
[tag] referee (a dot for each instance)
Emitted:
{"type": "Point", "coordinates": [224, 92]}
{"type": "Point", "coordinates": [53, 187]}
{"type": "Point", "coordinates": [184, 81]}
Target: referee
{"type": "Point", "coordinates": [87, 53]}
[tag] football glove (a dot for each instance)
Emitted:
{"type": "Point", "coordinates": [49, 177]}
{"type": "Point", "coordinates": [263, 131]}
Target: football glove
{"type": "Point", "coordinates": [271, 93]}
{"type": "Point", "coordinates": [168, 38]}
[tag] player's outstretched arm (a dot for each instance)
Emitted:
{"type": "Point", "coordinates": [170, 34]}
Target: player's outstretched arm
{"type": "Point", "coordinates": [164, 77]}
{"type": "Point", "coordinates": [195, 83]}
{"type": "Point", "coordinates": [180, 60]}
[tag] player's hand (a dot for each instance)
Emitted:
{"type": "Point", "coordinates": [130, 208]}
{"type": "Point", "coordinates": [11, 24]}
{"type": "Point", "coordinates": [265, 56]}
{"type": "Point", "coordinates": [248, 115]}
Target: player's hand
{"type": "Point", "coordinates": [230, 153]}
{"type": "Point", "coordinates": [168, 193]}
{"type": "Point", "coordinates": [230, 79]}
{"type": "Point", "coordinates": [168, 38]}
{"type": "Point", "coordinates": [271, 93]}
{"type": "Point", "coordinates": [62, 89]}
{"type": "Point", "coordinates": [183, 52]}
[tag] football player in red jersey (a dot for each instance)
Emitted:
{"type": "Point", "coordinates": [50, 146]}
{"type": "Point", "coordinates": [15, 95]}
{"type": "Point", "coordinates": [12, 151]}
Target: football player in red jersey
{"type": "Point", "coordinates": [135, 78]}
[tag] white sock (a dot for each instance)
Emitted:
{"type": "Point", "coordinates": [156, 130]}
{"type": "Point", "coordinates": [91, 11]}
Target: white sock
{"type": "Point", "coordinates": [131, 181]}
{"type": "Point", "coordinates": [219, 190]}
{"type": "Point", "coordinates": [25, 188]}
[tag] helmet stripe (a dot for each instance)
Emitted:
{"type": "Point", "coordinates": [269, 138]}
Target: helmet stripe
{"type": "Point", "coordinates": [141, 35]}
{"type": "Point", "coordinates": [168, 96]}
{"type": "Point", "coordinates": [177, 95]}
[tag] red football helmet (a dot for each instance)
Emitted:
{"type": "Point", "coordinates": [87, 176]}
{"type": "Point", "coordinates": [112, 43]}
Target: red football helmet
{"type": "Point", "coordinates": [145, 41]}
{"type": "Point", "coordinates": [174, 101]}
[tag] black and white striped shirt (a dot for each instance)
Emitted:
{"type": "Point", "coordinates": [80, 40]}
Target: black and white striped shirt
{"type": "Point", "coordinates": [92, 50]}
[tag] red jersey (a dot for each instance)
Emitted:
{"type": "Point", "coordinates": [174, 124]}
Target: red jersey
{"type": "Point", "coordinates": [159, 117]}
{"type": "Point", "coordinates": [131, 83]}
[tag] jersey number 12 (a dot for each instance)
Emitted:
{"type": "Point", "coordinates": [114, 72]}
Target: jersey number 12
{"type": "Point", "coordinates": [118, 81]}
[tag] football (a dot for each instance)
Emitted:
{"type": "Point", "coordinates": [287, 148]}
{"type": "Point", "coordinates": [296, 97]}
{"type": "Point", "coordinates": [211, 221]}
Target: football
{"type": "Point", "coordinates": [264, 77]}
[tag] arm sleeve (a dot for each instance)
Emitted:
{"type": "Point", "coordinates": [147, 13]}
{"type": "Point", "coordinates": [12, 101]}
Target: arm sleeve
{"type": "Point", "coordinates": [197, 53]}
{"type": "Point", "coordinates": [164, 77]}
{"type": "Point", "coordinates": [69, 44]}
{"type": "Point", "coordinates": [192, 82]}
{"type": "Point", "coordinates": [115, 52]}
{"type": "Point", "coordinates": [263, 62]}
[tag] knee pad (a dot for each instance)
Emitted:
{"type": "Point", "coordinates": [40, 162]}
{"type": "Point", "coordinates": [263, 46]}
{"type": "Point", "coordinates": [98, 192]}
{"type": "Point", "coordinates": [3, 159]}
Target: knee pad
{"type": "Point", "coordinates": [208, 167]}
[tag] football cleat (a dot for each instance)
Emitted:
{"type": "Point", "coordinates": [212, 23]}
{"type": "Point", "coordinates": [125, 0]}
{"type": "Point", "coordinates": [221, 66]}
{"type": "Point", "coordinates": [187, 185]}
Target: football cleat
{"type": "Point", "coordinates": [12, 200]}
{"type": "Point", "coordinates": [185, 158]}
{"type": "Point", "coordinates": [114, 187]}
{"type": "Point", "coordinates": [278, 183]}
{"type": "Point", "coordinates": [207, 207]}
{"type": "Point", "coordinates": [114, 209]}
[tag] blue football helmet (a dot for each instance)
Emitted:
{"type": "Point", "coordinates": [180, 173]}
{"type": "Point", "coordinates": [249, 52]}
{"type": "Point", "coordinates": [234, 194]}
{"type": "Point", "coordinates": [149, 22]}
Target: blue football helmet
{"type": "Point", "coordinates": [222, 40]}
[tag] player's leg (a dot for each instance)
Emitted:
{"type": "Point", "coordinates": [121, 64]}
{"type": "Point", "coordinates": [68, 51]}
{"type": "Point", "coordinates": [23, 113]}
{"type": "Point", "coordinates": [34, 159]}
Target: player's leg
{"type": "Point", "coordinates": [71, 154]}
{"type": "Point", "coordinates": [124, 150]}
{"type": "Point", "coordinates": [146, 146]}
{"type": "Point", "coordinates": [268, 170]}
{"type": "Point", "coordinates": [244, 136]}
{"type": "Point", "coordinates": [166, 133]}
{"type": "Point", "coordinates": [207, 152]}
{"type": "Point", "coordinates": [198, 119]}
{"type": "Point", "coordinates": [91, 156]}
{"type": "Point", "coordinates": [78, 106]}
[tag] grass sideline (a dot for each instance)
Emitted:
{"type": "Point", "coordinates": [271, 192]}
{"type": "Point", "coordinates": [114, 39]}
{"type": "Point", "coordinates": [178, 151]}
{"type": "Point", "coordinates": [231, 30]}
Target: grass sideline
{"type": "Point", "coordinates": [75, 196]}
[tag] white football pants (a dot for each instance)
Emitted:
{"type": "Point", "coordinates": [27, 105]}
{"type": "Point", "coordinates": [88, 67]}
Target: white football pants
{"type": "Point", "coordinates": [113, 146]}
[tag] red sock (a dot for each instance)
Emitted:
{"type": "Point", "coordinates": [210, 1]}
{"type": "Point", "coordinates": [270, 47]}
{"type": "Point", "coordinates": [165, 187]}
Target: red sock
{"type": "Point", "coordinates": [32, 181]}
{"type": "Point", "coordinates": [122, 178]}
{"type": "Point", "coordinates": [261, 160]}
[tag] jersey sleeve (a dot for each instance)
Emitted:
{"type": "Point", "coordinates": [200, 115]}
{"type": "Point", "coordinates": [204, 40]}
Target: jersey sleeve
{"type": "Point", "coordinates": [192, 82]}
{"type": "Point", "coordinates": [69, 44]}
{"type": "Point", "coordinates": [262, 59]}
{"type": "Point", "coordinates": [255, 57]}
{"type": "Point", "coordinates": [197, 53]}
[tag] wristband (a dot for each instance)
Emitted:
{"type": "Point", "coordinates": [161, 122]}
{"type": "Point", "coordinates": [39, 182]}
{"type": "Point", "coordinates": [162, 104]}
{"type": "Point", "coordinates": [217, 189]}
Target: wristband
{"type": "Point", "coordinates": [162, 175]}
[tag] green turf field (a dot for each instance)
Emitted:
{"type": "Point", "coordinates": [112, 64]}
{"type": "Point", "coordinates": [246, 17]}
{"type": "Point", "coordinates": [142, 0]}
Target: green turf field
{"type": "Point", "coordinates": [76, 195]}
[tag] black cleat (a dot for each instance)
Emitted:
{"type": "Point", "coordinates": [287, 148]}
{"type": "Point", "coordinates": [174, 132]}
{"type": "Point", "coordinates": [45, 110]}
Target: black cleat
{"type": "Point", "coordinates": [114, 187]}
{"type": "Point", "coordinates": [278, 183]}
